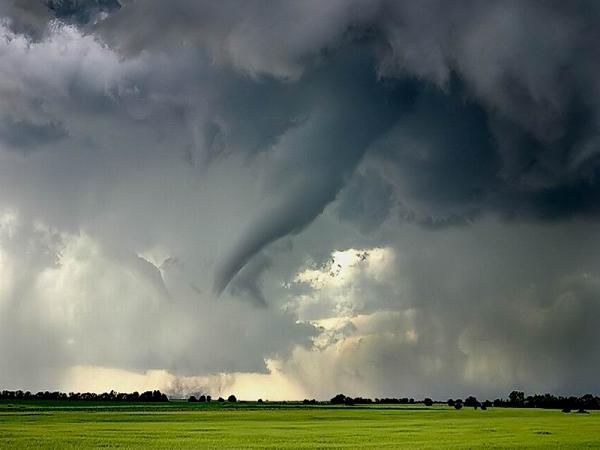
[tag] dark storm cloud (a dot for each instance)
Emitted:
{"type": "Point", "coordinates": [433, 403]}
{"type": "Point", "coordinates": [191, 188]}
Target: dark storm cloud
{"type": "Point", "coordinates": [351, 109]}
{"type": "Point", "coordinates": [203, 132]}
{"type": "Point", "coordinates": [26, 136]}
{"type": "Point", "coordinates": [366, 200]}
{"type": "Point", "coordinates": [440, 156]}
{"type": "Point", "coordinates": [32, 16]}
{"type": "Point", "coordinates": [507, 125]}
{"type": "Point", "coordinates": [81, 11]}
{"type": "Point", "coordinates": [529, 67]}
{"type": "Point", "coordinates": [26, 16]}
{"type": "Point", "coordinates": [249, 280]}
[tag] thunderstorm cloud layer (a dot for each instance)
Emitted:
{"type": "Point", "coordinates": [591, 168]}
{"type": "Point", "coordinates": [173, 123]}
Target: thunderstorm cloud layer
{"type": "Point", "coordinates": [297, 198]}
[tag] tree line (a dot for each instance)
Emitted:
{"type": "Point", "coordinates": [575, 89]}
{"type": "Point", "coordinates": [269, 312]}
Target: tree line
{"type": "Point", "coordinates": [207, 399]}
{"type": "Point", "coordinates": [112, 396]}
{"type": "Point", "coordinates": [516, 399]}
{"type": "Point", "coordinates": [341, 399]}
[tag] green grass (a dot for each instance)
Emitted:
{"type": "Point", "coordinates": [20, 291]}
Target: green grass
{"type": "Point", "coordinates": [179, 425]}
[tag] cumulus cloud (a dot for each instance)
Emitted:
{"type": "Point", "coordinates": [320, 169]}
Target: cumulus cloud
{"type": "Point", "coordinates": [472, 309]}
{"type": "Point", "coordinates": [364, 189]}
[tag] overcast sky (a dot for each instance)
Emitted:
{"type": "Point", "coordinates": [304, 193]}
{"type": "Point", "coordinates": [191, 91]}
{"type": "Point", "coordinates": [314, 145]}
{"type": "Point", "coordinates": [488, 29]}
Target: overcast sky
{"type": "Point", "coordinates": [290, 199]}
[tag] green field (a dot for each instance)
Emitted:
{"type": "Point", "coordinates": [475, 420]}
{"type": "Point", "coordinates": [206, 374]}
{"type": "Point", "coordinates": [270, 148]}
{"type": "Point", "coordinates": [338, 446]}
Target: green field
{"type": "Point", "coordinates": [247, 425]}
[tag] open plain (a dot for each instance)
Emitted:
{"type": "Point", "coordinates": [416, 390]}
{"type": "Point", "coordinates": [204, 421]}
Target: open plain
{"type": "Point", "coordinates": [248, 425]}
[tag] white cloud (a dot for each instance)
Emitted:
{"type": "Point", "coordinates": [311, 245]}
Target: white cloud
{"type": "Point", "coordinates": [339, 287]}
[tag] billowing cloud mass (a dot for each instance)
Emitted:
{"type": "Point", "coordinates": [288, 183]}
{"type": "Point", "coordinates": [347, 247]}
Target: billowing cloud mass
{"type": "Point", "coordinates": [293, 199]}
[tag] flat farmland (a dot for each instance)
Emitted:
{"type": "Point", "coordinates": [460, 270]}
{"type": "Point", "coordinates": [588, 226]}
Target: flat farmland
{"type": "Point", "coordinates": [179, 425]}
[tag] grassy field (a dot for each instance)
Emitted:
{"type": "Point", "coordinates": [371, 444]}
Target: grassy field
{"type": "Point", "coordinates": [178, 425]}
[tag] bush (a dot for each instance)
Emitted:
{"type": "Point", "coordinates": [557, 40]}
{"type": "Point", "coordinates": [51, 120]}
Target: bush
{"type": "Point", "coordinates": [471, 401]}
{"type": "Point", "coordinates": [428, 402]}
{"type": "Point", "coordinates": [339, 399]}
{"type": "Point", "coordinates": [232, 399]}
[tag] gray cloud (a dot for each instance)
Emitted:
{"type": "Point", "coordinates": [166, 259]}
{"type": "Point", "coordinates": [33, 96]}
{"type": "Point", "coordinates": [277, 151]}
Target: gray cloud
{"type": "Point", "coordinates": [366, 200]}
{"type": "Point", "coordinates": [172, 152]}
{"type": "Point", "coordinates": [26, 136]}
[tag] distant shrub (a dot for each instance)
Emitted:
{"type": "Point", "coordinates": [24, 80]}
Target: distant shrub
{"type": "Point", "coordinates": [428, 402]}
{"type": "Point", "coordinates": [153, 396]}
{"type": "Point", "coordinates": [232, 399]}
{"type": "Point", "coordinates": [516, 399]}
{"type": "Point", "coordinates": [339, 399]}
{"type": "Point", "coordinates": [471, 401]}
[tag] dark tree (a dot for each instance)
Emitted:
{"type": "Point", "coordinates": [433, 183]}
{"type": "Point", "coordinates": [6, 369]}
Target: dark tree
{"type": "Point", "coordinates": [471, 401]}
{"type": "Point", "coordinates": [231, 399]}
{"type": "Point", "coordinates": [428, 402]}
{"type": "Point", "coordinates": [192, 399]}
{"type": "Point", "coordinates": [450, 402]}
{"type": "Point", "coordinates": [339, 399]}
{"type": "Point", "coordinates": [458, 405]}
{"type": "Point", "coordinates": [517, 399]}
